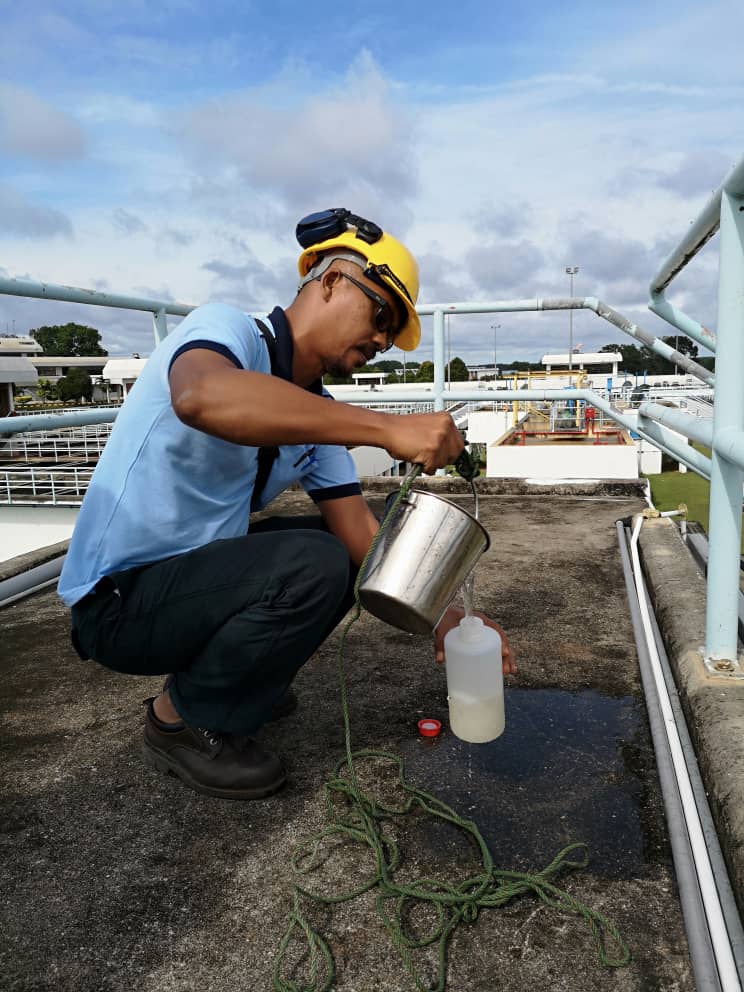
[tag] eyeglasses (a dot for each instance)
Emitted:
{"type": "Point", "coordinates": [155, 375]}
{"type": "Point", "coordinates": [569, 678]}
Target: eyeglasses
{"type": "Point", "coordinates": [383, 314]}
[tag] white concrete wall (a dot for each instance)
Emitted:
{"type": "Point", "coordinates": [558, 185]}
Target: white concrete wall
{"type": "Point", "coordinates": [649, 458]}
{"type": "Point", "coordinates": [562, 461]}
{"type": "Point", "coordinates": [486, 426]}
{"type": "Point", "coordinates": [646, 448]}
{"type": "Point", "coordinates": [373, 461]}
{"type": "Point", "coordinates": [26, 528]}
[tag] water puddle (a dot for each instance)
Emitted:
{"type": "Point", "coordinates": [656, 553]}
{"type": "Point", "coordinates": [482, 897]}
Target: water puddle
{"type": "Point", "coordinates": [569, 767]}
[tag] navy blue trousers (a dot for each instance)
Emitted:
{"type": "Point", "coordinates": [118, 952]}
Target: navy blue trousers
{"type": "Point", "coordinates": [233, 621]}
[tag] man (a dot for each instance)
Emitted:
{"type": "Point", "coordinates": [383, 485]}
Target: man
{"type": "Point", "coordinates": [163, 575]}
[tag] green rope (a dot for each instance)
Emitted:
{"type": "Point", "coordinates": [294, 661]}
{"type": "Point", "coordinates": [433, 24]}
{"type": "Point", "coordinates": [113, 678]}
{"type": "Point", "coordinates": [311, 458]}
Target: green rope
{"type": "Point", "coordinates": [354, 815]}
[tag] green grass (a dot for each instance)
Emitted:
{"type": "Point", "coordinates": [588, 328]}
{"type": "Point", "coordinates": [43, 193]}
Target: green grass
{"type": "Point", "coordinates": [670, 489]}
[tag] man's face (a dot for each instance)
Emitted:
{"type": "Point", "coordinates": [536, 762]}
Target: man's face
{"type": "Point", "coordinates": [358, 329]}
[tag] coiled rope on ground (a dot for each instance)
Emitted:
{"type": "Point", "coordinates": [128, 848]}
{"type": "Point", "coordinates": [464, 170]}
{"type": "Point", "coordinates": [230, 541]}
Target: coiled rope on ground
{"type": "Point", "coordinates": [355, 815]}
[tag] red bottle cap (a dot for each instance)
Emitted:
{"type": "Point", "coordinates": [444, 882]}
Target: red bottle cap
{"type": "Point", "coordinates": [429, 727]}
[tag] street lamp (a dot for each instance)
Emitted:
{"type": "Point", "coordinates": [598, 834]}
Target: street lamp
{"type": "Point", "coordinates": [571, 271]}
{"type": "Point", "coordinates": [494, 328]}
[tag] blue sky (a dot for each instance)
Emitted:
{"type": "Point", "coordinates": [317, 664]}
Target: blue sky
{"type": "Point", "coordinates": [168, 150]}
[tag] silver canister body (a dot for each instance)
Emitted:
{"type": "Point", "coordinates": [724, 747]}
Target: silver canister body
{"type": "Point", "coordinates": [427, 550]}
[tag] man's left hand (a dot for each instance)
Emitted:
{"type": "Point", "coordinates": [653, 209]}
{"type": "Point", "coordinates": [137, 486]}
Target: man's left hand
{"type": "Point", "coordinates": [451, 619]}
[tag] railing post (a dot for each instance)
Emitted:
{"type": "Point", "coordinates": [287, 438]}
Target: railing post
{"type": "Point", "coordinates": [439, 364]}
{"type": "Point", "coordinates": [160, 325]}
{"type": "Point", "coordinates": [726, 478]}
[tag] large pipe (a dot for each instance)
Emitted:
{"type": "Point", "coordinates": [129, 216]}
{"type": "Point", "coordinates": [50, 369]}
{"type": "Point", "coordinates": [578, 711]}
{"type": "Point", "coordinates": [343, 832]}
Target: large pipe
{"type": "Point", "coordinates": [677, 318]}
{"type": "Point", "coordinates": [701, 947]}
{"type": "Point", "coordinates": [727, 476]}
{"type": "Point", "coordinates": [693, 427]}
{"type": "Point", "coordinates": [726, 965]}
{"type": "Point", "coordinates": [702, 230]}
{"type": "Point", "coordinates": [73, 294]}
{"type": "Point", "coordinates": [32, 580]}
{"type": "Point", "coordinates": [56, 421]}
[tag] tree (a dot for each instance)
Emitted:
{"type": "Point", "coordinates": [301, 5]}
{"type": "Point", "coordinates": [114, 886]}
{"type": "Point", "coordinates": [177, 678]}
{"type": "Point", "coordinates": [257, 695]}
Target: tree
{"type": "Point", "coordinates": [425, 372]}
{"type": "Point", "coordinates": [643, 359]}
{"type": "Point", "coordinates": [386, 365]}
{"type": "Point", "coordinates": [47, 390]}
{"type": "Point", "coordinates": [458, 371]}
{"type": "Point", "coordinates": [681, 343]}
{"type": "Point", "coordinates": [76, 385]}
{"type": "Point", "coordinates": [76, 340]}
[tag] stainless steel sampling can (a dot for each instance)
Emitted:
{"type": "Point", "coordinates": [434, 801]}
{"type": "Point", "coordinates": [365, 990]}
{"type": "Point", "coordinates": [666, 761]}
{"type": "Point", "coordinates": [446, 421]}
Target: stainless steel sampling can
{"type": "Point", "coordinates": [427, 550]}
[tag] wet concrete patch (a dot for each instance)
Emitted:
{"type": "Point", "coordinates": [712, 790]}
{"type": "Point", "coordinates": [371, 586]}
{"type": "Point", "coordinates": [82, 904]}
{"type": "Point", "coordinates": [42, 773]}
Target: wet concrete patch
{"type": "Point", "coordinates": [570, 766]}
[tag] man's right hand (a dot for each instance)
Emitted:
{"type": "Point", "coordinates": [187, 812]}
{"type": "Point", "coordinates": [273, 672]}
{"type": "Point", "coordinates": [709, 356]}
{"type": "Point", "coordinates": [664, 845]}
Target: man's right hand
{"type": "Point", "coordinates": [428, 439]}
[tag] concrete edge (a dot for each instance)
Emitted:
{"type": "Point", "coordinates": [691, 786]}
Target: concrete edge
{"type": "Point", "coordinates": [512, 487]}
{"type": "Point", "coordinates": [713, 705]}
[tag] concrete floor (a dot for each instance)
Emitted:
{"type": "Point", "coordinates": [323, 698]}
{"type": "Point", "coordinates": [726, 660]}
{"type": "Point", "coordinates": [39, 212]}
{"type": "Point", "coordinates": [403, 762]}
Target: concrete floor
{"type": "Point", "coordinates": [116, 878]}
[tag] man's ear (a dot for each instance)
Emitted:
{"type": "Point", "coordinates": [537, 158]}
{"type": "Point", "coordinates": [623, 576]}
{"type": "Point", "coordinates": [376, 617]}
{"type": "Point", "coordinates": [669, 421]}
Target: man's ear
{"type": "Point", "coordinates": [328, 282]}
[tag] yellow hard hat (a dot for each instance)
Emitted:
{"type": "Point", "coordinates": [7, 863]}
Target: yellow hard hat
{"type": "Point", "coordinates": [389, 263]}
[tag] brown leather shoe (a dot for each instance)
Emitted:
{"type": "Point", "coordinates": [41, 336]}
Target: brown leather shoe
{"type": "Point", "coordinates": [211, 763]}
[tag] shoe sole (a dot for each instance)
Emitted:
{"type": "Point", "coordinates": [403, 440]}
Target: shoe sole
{"type": "Point", "coordinates": [161, 762]}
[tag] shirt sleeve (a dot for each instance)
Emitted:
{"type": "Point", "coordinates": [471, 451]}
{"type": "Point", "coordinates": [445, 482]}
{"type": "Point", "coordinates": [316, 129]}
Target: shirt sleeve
{"type": "Point", "coordinates": [332, 474]}
{"type": "Point", "coordinates": [224, 329]}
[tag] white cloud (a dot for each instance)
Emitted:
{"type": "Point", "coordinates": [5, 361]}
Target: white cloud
{"type": "Point", "coordinates": [21, 217]}
{"type": "Point", "coordinates": [33, 128]}
{"type": "Point", "coordinates": [347, 141]}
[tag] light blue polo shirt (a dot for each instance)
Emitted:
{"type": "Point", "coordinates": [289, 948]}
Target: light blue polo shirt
{"type": "Point", "coordinates": [162, 488]}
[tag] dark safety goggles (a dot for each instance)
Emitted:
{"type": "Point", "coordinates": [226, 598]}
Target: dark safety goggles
{"type": "Point", "coordinates": [384, 320]}
{"type": "Point", "coordinates": [326, 224]}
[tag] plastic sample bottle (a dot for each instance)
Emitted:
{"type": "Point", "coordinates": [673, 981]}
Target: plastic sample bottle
{"type": "Point", "coordinates": [475, 681]}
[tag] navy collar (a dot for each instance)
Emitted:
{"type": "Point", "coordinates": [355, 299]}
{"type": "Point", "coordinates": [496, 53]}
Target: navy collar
{"type": "Point", "coordinates": [285, 350]}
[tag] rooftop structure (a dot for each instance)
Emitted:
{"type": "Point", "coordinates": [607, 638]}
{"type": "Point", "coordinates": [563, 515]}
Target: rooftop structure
{"type": "Point", "coordinates": [122, 879]}
{"type": "Point", "coordinates": [23, 347]}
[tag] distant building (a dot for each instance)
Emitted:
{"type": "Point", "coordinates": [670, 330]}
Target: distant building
{"type": "Point", "coordinates": [16, 368]}
{"type": "Point", "coordinates": [16, 346]}
{"type": "Point", "coordinates": [578, 360]}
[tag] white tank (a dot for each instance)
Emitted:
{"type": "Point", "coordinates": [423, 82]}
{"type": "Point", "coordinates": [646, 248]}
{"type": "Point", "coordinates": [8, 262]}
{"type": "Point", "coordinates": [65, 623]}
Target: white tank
{"type": "Point", "coordinates": [475, 681]}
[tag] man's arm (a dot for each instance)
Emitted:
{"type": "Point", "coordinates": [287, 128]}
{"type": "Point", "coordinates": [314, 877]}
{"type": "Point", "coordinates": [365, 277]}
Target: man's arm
{"type": "Point", "coordinates": [352, 522]}
{"type": "Point", "coordinates": [211, 395]}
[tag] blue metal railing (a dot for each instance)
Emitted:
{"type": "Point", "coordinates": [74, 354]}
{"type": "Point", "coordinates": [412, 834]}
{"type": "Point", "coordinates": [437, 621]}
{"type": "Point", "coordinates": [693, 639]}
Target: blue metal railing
{"type": "Point", "coordinates": [725, 437]}
{"type": "Point", "coordinates": [724, 210]}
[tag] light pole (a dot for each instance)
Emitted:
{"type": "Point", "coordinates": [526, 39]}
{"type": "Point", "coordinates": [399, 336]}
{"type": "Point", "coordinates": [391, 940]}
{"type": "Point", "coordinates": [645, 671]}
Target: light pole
{"type": "Point", "coordinates": [494, 328]}
{"type": "Point", "coordinates": [571, 271]}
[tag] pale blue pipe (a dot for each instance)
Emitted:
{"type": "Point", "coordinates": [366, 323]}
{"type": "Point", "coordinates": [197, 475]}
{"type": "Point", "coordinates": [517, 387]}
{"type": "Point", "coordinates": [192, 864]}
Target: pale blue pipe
{"type": "Point", "coordinates": [677, 318]}
{"type": "Point", "coordinates": [724, 529]}
{"type": "Point", "coordinates": [55, 421]}
{"type": "Point", "coordinates": [71, 294]}
{"type": "Point", "coordinates": [693, 427]}
{"type": "Point", "coordinates": [650, 431]}
{"type": "Point", "coordinates": [438, 360]}
{"type": "Point", "coordinates": [602, 310]}
{"type": "Point", "coordinates": [701, 231]}
{"type": "Point", "coordinates": [729, 443]}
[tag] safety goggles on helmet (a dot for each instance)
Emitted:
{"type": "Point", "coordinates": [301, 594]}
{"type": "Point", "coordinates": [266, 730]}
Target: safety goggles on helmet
{"type": "Point", "coordinates": [325, 224]}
